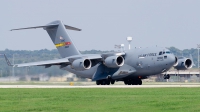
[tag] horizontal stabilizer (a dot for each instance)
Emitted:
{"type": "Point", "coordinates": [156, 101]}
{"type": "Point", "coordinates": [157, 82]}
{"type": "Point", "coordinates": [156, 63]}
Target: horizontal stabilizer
{"type": "Point", "coordinates": [49, 26]}
{"type": "Point", "coordinates": [34, 27]}
{"type": "Point", "coordinates": [72, 28]}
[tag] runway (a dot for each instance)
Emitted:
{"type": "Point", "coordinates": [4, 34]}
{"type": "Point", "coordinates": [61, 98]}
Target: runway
{"type": "Point", "coordinates": [95, 86]}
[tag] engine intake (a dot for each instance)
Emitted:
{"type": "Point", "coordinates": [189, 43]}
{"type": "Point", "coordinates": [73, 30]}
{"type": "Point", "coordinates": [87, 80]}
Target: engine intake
{"type": "Point", "coordinates": [188, 63]}
{"type": "Point", "coordinates": [81, 64]}
{"type": "Point", "coordinates": [184, 64]}
{"type": "Point", "coordinates": [114, 61]}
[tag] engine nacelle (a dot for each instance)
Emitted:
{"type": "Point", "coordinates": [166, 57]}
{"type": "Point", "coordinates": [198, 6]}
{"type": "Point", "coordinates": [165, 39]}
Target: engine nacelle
{"type": "Point", "coordinates": [81, 64]}
{"type": "Point", "coordinates": [176, 62]}
{"type": "Point", "coordinates": [114, 61]}
{"type": "Point", "coordinates": [183, 64]}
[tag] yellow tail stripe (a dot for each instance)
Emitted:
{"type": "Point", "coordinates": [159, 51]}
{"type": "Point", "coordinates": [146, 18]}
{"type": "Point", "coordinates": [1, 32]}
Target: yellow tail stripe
{"type": "Point", "coordinates": [60, 44]}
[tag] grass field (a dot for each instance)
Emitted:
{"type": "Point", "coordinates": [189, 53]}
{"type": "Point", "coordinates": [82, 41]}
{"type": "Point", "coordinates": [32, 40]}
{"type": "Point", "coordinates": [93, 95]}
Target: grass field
{"type": "Point", "coordinates": [104, 100]}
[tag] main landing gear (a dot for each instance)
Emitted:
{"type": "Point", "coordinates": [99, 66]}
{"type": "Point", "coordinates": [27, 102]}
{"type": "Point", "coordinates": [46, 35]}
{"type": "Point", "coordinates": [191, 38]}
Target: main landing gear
{"type": "Point", "coordinates": [126, 82]}
{"type": "Point", "coordinates": [105, 82]}
{"type": "Point", "coordinates": [133, 82]}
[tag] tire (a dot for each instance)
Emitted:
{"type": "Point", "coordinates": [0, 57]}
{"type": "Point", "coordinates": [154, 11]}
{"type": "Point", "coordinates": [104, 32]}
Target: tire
{"type": "Point", "coordinates": [132, 82]}
{"type": "Point", "coordinates": [168, 76]}
{"type": "Point", "coordinates": [98, 82]}
{"type": "Point", "coordinates": [140, 82]}
{"type": "Point", "coordinates": [165, 76]}
{"type": "Point", "coordinates": [129, 82]}
{"type": "Point", "coordinates": [125, 82]}
{"type": "Point", "coordinates": [112, 81]}
{"type": "Point", "coordinates": [108, 82]}
{"type": "Point", "coordinates": [103, 82]}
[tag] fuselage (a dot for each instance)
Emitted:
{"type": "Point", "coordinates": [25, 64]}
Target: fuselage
{"type": "Point", "coordinates": [129, 66]}
{"type": "Point", "coordinates": [145, 61]}
{"type": "Point", "coordinates": [150, 61]}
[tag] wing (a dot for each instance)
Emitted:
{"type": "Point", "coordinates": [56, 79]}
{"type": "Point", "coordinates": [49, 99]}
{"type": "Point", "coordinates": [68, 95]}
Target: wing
{"type": "Point", "coordinates": [49, 63]}
{"type": "Point", "coordinates": [95, 59]}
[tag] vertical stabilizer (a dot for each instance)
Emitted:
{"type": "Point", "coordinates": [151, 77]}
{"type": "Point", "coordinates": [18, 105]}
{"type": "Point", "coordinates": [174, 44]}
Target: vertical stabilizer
{"type": "Point", "coordinates": [58, 34]}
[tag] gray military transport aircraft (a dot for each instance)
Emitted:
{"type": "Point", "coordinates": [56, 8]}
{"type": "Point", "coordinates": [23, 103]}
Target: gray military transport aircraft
{"type": "Point", "coordinates": [129, 66]}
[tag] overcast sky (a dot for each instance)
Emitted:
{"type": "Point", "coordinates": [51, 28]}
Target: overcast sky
{"type": "Point", "coordinates": [104, 23]}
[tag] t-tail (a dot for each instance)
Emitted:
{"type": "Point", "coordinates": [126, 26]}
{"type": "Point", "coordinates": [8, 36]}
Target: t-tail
{"type": "Point", "coordinates": [60, 38]}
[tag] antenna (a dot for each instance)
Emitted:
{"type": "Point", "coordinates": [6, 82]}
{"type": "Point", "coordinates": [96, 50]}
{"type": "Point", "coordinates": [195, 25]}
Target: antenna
{"type": "Point", "coordinates": [129, 39]}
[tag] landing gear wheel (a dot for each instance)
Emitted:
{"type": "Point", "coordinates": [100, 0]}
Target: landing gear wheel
{"type": "Point", "coordinates": [166, 76]}
{"type": "Point", "coordinates": [103, 82]}
{"type": "Point", "coordinates": [133, 82]}
{"type": "Point", "coordinates": [129, 82]}
{"type": "Point", "coordinates": [140, 82]}
{"type": "Point", "coordinates": [108, 82]}
{"type": "Point", "coordinates": [112, 81]}
{"type": "Point", "coordinates": [125, 82]}
{"type": "Point", "coordinates": [98, 82]}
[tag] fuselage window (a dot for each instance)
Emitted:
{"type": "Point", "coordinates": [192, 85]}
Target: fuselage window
{"type": "Point", "coordinates": [160, 53]}
{"type": "Point", "coordinates": [167, 52]}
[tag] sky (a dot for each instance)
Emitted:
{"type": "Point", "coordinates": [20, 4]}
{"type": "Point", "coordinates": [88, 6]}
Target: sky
{"type": "Point", "coordinates": [104, 23]}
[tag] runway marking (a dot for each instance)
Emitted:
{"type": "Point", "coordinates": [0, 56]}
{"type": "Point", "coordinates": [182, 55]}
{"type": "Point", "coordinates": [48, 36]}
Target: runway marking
{"type": "Point", "coordinates": [95, 86]}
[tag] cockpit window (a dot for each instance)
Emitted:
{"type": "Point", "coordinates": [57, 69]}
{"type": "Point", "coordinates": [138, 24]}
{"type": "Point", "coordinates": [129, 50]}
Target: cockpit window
{"type": "Point", "coordinates": [163, 52]}
{"type": "Point", "coordinates": [168, 52]}
{"type": "Point", "coordinates": [160, 53]}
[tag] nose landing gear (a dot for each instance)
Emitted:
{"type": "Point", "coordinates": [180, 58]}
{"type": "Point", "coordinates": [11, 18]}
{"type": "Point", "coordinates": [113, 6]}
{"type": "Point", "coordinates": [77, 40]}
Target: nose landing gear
{"type": "Point", "coordinates": [166, 76]}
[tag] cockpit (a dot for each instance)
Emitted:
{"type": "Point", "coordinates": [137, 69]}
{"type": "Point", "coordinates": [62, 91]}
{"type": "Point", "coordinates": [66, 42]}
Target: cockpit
{"type": "Point", "coordinates": [164, 52]}
{"type": "Point", "coordinates": [168, 52]}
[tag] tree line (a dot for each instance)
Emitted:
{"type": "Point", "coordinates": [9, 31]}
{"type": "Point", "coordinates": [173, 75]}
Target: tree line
{"type": "Point", "coordinates": [24, 56]}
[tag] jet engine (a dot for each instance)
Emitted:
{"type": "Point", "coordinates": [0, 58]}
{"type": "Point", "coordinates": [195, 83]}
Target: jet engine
{"type": "Point", "coordinates": [183, 64]}
{"type": "Point", "coordinates": [114, 61]}
{"type": "Point", "coordinates": [176, 62]}
{"type": "Point", "coordinates": [81, 64]}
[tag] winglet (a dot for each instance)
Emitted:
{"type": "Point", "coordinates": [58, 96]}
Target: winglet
{"type": "Point", "coordinates": [8, 62]}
